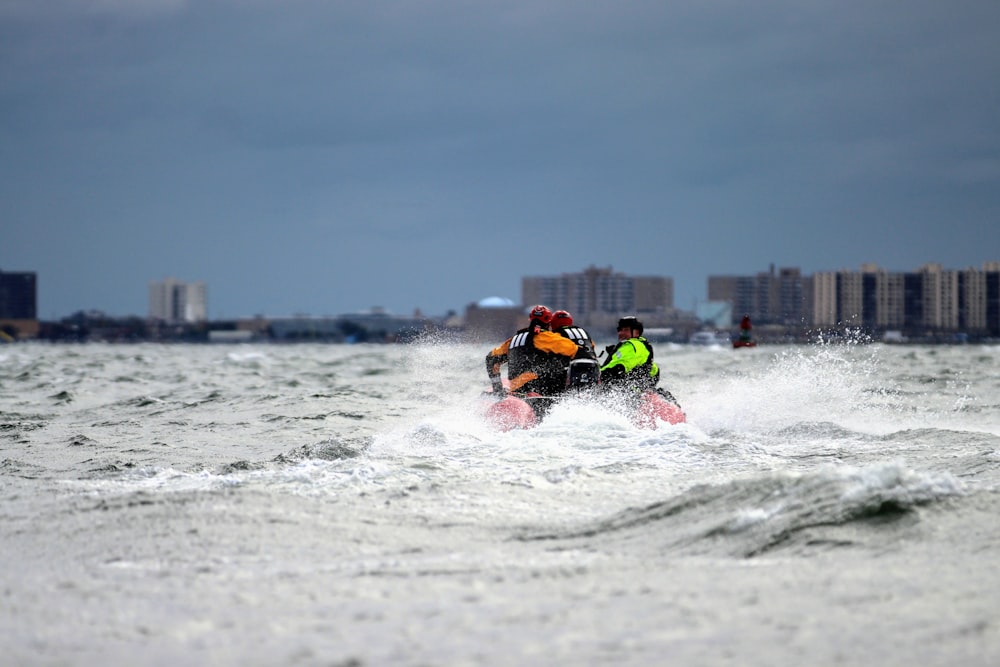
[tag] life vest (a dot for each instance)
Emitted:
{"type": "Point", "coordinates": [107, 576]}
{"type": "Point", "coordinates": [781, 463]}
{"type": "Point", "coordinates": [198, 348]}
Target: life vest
{"type": "Point", "coordinates": [536, 361]}
{"type": "Point", "coordinates": [629, 366]}
{"type": "Point", "coordinates": [578, 335]}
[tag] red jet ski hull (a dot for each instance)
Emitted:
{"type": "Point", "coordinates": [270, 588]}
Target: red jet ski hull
{"type": "Point", "coordinates": [512, 413]}
{"type": "Point", "coordinates": [655, 407]}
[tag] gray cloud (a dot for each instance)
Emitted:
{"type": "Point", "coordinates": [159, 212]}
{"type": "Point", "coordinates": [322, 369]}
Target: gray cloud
{"type": "Point", "coordinates": [444, 149]}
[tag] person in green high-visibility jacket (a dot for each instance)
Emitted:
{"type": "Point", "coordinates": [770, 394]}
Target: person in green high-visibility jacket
{"type": "Point", "coordinates": [630, 366]}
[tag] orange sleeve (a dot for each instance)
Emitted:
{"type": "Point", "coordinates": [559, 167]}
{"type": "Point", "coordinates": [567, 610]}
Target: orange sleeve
{"type": "Point", "coordinates": [502, 349]}
{"type": "Point", "coordinates": [547, 341]}
{"type": "Point", "coordinates": [496, 358]}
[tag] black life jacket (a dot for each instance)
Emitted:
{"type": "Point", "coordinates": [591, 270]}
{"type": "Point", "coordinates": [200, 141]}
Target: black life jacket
{"type": "Point", "coordinates": [524, 357]}
{"type": "Point", "coordinates": [578, 335]}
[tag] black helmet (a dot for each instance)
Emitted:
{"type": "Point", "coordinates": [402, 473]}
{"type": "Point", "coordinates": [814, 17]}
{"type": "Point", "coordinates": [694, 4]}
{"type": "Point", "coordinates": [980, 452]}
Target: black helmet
{"type": "Point", "coordinates": [631, 322]}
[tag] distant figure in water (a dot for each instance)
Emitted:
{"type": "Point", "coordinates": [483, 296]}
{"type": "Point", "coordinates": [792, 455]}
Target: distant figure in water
{"type": "Point", "coordinates": [744, 339]}
{"type": "Point", "coordinates": [745, 328]}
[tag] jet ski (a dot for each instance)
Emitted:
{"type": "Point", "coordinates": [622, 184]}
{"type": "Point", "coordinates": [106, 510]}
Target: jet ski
{"type": "Point", "coordinates": [582, 377]}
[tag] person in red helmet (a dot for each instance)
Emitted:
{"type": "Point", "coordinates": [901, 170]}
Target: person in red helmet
{"type": "Point", "coordinates": [562, 323]}
{"type": "Point", "coordinates": [537, 359]}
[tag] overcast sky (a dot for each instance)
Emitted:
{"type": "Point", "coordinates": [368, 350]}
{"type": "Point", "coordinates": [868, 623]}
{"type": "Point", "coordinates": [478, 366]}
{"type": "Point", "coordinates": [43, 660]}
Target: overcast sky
{"type": "Point", "coordinates": [324, 157]}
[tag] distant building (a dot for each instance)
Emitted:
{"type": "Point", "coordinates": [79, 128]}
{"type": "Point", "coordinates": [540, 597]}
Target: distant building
{"type": "Point", "coordinates": [597, 296]}
{"type": "Point", "coordinates": [177, 302]}
{"type": "Point", "coordinates": [930, 303]}
{"type": "Point", "coordinates": [991, 288]}
{"type": "Point", "coordinates": [770, 297]}
{"type": "Point", "coordinates": [493, 319]}
{"type": "Point", "coordinates": [18, 295]}
{"type": "Point", "coordinates": [18, 305]}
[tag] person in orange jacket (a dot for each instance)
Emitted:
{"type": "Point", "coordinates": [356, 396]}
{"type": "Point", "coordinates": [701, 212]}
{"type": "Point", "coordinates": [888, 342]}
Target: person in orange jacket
{"type": "Point", "coordinates": [537, 358]}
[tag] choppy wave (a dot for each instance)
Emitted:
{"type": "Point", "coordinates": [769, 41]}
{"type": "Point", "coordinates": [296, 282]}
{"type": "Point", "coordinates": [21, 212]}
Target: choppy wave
{"type": "Point", "coordinates": [752, 516]}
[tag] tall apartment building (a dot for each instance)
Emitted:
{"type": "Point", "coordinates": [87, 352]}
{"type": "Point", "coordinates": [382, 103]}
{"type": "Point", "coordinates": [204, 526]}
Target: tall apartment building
{"type": "Point", "coordinates": [18, 295]}
{"type": "Point", "coordinates": [972, 300]}
{"type": "Point", "coordinates": [991, 288]}
{"type": "Point", "coordinates": [770, 297]}
{"type": "Point", "coordinates": [871, 298]}
{"type": "Point", "coordinates": [929, 301]}
{"type": "Point", "coordinates": [18, 305]}
{"type": "Point", "coordinates": [850, 298]}
{"type": "Point", "coordinates": [824, 310]}
{"type": "Point", "coordinates": [599, 293]}
{"type": "Point", "coordinates": [177, 302]}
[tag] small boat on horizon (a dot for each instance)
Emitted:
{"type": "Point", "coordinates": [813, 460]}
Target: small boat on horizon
{"type": "Point", "coordinates": [745, 339]}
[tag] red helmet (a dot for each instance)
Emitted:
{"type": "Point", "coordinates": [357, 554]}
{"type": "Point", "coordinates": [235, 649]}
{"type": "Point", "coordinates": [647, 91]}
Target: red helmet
{"type": "Point", "coordinates": [562, 318]}
{"type": "Point", "coordinates": [541, 314]}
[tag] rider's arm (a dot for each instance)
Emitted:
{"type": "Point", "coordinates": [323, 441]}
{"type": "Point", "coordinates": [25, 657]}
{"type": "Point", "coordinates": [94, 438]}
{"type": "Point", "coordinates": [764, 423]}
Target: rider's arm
{"type": "Point", "coordinates": [496, 358]}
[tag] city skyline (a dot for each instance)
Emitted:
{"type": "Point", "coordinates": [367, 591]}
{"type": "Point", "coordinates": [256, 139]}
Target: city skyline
{"type": "Point", "coordinates": [331, 157]}
{"type": "Point", "coordinates": [173, 295]}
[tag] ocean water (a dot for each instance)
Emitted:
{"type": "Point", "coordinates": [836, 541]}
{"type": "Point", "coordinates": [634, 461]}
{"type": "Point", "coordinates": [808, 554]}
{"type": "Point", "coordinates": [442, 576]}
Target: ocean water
{"type": "Point", "coordinates": [346, 505]}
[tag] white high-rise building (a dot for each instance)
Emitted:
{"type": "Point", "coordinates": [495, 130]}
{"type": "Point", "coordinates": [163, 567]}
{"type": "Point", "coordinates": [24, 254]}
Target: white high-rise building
{"type": "Point", "coordinates": [174, 301]}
